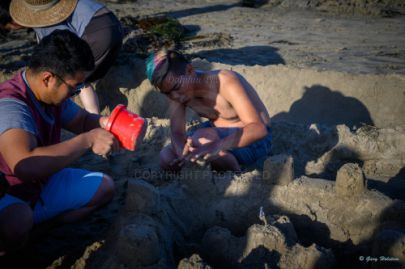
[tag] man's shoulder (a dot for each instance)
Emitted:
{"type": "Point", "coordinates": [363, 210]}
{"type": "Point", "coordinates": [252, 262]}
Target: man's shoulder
{"type": "Point", "coordinates": [12, 107]}
{"type": "Point", "coordinates": [12, 87]}
{"type": "Point", "coordinates": [12, 82]}
{"type": "Point", "coordinates": [15, 114]}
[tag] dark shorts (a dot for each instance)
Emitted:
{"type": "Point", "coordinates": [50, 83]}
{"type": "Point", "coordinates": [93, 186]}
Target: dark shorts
{"type": "Point", "coordinates": [246, 155]}
{"type": "Point", "coordinates": [104, 35]}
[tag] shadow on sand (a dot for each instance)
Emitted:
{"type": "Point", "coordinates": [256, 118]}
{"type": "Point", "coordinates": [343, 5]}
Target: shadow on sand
{"type": "Point", "coordinates": [253, 55]}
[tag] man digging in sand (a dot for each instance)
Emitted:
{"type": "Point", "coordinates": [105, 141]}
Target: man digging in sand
{"type": "Point", "coordinates": [34, 106]}
{"type": "Point", "coordinates": [237, 132]}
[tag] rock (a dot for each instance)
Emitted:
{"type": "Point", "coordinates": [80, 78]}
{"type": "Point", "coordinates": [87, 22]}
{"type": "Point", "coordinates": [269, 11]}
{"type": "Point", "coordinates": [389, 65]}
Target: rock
{"type": "Point", "coordinates": [350, 180]}
{"type": "Point", "coordinates": [278, 170]}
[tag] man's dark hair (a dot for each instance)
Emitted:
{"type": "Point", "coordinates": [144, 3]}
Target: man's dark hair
{"type": "Point", "coordinates": [62, 53]}
{"type": "Point", "coordinates": [4, 12]}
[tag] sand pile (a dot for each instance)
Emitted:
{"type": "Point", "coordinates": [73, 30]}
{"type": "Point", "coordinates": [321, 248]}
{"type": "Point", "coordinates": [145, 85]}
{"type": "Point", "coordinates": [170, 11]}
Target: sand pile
{"type": "Point", "coordinates": [199, 218]}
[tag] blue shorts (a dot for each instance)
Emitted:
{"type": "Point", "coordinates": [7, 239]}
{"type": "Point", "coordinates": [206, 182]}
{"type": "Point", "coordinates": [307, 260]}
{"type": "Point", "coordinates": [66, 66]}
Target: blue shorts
{"type": "Point", "coordinates": [246, 155]}
{"type": "Point", "coordinates": [66, 190]}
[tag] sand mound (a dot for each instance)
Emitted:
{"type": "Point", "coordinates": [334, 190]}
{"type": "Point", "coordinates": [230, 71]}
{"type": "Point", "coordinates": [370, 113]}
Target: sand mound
{"type": "Point", "coordinates": [199, 218]}
{"type": "Point", "coordinates": [303, 96]}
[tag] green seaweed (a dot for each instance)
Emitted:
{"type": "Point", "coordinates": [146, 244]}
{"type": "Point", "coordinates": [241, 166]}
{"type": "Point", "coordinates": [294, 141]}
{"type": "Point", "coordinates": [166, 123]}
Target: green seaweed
{"type": "Point", "coordinates": [169, 28]}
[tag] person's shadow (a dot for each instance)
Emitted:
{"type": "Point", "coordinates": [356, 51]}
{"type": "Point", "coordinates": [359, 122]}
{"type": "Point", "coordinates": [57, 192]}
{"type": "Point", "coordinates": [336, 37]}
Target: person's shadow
{"type": "Point", "coordinates": [325, 108]}
{"type": "Point", "coordinates": [393, 188]}
{"type": "Point", "coordinates": [320, 105]}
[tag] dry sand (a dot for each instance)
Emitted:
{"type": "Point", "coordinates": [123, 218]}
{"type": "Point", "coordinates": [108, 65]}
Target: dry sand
{"type": "Point", "coordinates": [333, 190]}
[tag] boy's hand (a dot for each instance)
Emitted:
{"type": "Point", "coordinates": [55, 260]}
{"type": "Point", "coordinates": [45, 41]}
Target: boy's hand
{"type": "Point", "coordinates": [187, 147]}
{"type": "Point", "coordinates": [179, 161]}
{"type": "Point", "coordinates": [207, 152]}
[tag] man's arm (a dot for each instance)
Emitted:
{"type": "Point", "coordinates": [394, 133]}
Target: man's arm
{"type": "Point", "coordinates": [29, 162]}
{"type": "Point", "coordinates": [84, 121]}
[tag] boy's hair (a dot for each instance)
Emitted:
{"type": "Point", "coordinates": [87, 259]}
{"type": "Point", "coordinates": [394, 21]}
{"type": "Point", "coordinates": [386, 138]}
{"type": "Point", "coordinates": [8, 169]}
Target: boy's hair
{"type": "Point", "coordinates": [4, 12]}
{"type": "Point", "coordinates": [159, 64]}
{"type": "Point", "coordinates": [62, 53]}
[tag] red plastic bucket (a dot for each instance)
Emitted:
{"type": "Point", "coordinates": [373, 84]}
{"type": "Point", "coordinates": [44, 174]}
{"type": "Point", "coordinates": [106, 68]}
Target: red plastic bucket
{"type": "Point", "coordinates": [127, 127]}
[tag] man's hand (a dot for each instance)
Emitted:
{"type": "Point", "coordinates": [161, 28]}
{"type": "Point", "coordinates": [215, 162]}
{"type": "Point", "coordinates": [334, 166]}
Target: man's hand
{"type": "Point", "coordinates": [103, 121]}
{"type": "Point", "coordinates": [102, 142]}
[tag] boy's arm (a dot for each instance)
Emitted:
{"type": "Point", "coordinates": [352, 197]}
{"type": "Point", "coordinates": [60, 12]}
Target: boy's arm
{"type": "Point", "coordinates": [254, 129]}
{"type": "Point", "coordinates": [233, 91]}
{"type": "Point", "coordinates": [177, 114]}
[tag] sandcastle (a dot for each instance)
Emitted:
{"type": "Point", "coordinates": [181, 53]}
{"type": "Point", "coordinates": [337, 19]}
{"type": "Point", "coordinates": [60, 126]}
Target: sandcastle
{"type": "Point", "coordinates": [265, 217]}
{"type": "Point", "coordinates": [332, 194]}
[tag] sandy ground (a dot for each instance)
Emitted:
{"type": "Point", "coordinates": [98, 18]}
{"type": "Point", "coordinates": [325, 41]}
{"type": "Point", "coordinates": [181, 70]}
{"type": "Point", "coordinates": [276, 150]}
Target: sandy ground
{"type": "Point", "coordinates": [361, 38]}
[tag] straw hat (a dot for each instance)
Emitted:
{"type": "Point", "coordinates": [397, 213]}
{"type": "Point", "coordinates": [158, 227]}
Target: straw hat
{"type": "Point", "coordinates": [41, 13]}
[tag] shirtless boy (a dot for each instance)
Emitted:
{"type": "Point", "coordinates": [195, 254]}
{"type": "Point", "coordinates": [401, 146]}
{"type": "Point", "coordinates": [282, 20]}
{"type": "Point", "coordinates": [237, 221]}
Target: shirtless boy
{"type": "Point", "coordinates": [237, 132]}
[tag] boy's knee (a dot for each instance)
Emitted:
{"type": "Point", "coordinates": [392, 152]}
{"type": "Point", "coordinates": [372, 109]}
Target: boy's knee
{"type": "Point", "coordinates": [204, 136]}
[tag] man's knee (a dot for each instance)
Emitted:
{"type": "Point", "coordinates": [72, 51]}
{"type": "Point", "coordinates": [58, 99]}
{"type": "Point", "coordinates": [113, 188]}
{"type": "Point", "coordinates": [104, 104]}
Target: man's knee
{"type": "Point", "coordinates": [105, 192]}
{"type": "Point", "coordinates": [108, 186]}
{"type": "Point", "coordinates": [16, 222]}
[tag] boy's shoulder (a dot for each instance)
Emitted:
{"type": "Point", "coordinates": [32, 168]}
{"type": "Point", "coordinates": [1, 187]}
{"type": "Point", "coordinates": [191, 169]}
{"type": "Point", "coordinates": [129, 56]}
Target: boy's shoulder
{"type": "Point", "coordinates": [226, 76]}
{"type": "Point", "coordinates": [226, 73]}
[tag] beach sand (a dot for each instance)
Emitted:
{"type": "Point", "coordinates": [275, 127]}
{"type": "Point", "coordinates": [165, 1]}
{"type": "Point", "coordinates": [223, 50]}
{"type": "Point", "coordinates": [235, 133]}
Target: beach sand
{"type": "Point", "coordinates": [331, 73]}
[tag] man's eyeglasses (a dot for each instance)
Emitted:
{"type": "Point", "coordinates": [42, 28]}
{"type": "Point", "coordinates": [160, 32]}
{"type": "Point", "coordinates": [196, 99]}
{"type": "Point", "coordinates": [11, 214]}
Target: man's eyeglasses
{"type": "Point", "coordinates": [75, 90]}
